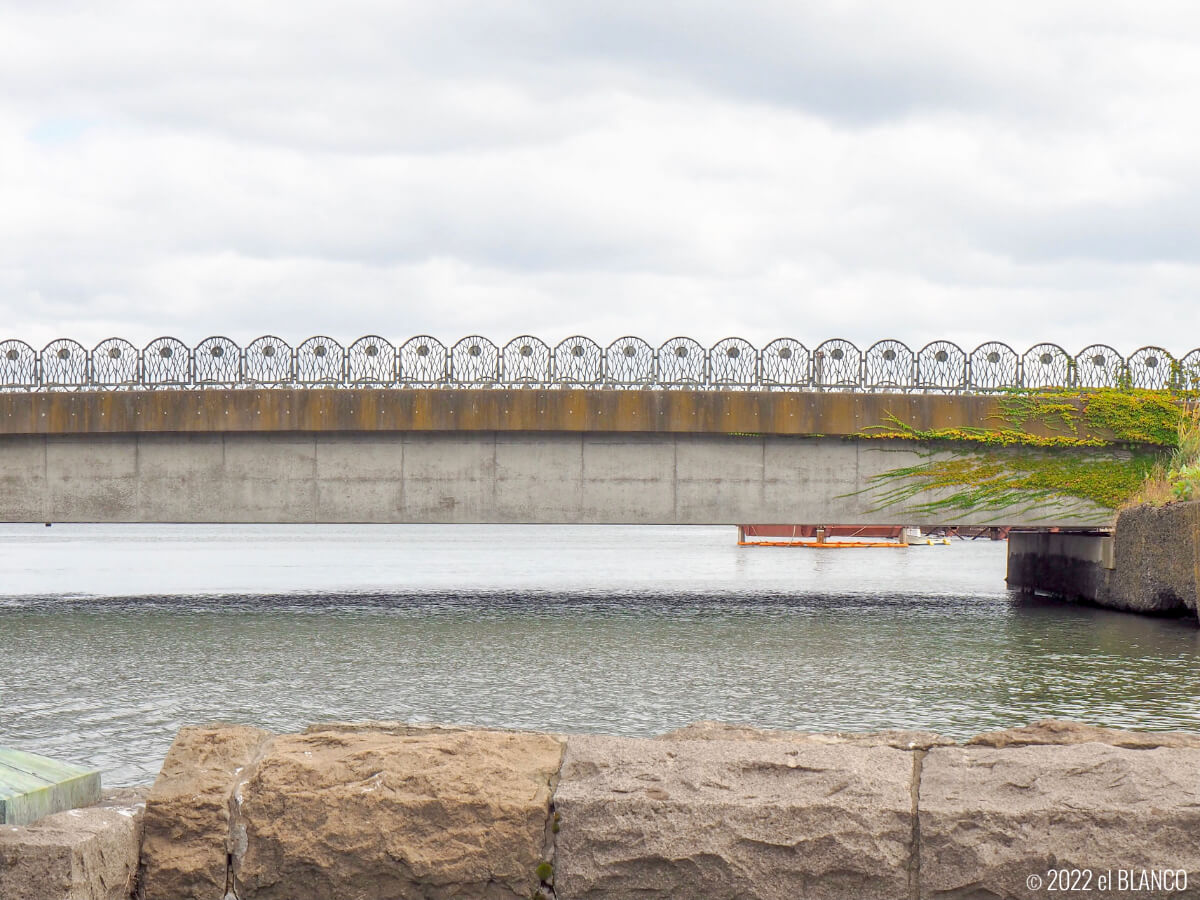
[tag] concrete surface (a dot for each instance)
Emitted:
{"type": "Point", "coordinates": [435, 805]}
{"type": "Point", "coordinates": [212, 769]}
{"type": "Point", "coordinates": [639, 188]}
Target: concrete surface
{"type": "Point", "coordinates": [1150, 563]}
{"type": "Point", "coordinates": [528, 410]}
{"type": "Point", "coordinates": [471, 477]}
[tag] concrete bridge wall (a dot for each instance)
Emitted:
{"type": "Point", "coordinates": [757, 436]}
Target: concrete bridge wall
{"type": "Point", "coordinates": [474, 456]}
{"type": "Point", "coordinates": [459, 477]}
{"type": "Point", "coordinates": [494, 409]}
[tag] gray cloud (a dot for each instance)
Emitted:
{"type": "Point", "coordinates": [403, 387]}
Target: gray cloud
{"type": "Point", "coordinates": [919, 170]}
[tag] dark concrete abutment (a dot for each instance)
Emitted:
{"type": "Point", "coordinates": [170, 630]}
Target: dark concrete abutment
{"type": "Point", "coordinates": [1149, 563]}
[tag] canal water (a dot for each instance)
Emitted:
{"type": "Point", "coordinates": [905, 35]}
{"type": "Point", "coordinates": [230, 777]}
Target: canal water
{"type": "Point", "coordinates": [115, 636]}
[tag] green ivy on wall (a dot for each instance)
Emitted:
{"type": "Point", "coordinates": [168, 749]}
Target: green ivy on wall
{"type": "Point", "coordinates": [1101, 447]}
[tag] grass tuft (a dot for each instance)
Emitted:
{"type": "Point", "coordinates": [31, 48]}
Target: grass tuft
{"type": "Point", "coordinates": [1177, 477]}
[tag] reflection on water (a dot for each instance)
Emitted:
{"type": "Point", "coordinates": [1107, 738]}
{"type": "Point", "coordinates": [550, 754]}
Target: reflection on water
{"type": "Point", "coordinates": [114, 637]}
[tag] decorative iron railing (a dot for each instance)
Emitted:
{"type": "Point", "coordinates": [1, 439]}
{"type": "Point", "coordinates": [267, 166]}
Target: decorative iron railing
{"type": "Point", "coordinates": [628, 362]}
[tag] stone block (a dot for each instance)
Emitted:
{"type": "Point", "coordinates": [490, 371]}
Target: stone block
{"type": "Point", "coordinates": [359, 501]}
{"type": "Point", "coordinates": [388, 813]}
{"type": "Point", "coordinates": [1156, 553]}
{"type": "Point", "coordinates": [992, 818]}
{"type": "Point", "coordinates": [722, 731]}
{"type": "Point", "coordinates": [724, 819]}
{"type": "Point", "coordinates": [179, 477]}
{"type": "Point", "coordinates": [1060, 731]}
{"type": "Point", "coordinates": [80, 854]}
{"type": "Point", "coordinates": [185, 851]}
{"type": "Point", "coordinates": [718, 472]}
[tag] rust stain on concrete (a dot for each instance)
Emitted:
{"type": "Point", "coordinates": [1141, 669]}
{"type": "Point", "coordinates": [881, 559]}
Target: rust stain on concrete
{"type": "Point", "coordinates": [370, 409]}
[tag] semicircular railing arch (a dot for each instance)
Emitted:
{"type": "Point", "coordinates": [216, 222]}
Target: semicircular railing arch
{"type": "Point", "coordinates": [732, 362]}
{"type": "Point", "coordinates": [525, 360]}
{"type": "Point", "coordinates": [320, 360]}
{"type": "Point", "coordinates": [18, 366]}
{"type": "Point", "coordinates": [630, 362]}
{"type": "Point", "coordinates": [837, 363]}
{"type": "Point", "coordinates": [267, 361]}
{"type": "Point", "coordinates": [1099, 366]}
{"type": "Point", "coordinates": [115, 364]}
{"type": "Point", "coordinates": [371, 360]}
{"type": "Point", "coordinates": [681, 363]}
{"type": "Point", "coordinates": [1151, 368]}
{"type": "Point", "coordinates": [474, 361]}
{"type": "Point", "coordinates": [942, 366]}
{"type": "Point", "coordinates": [994, 366]}
{"type": "Point", "coordinates": [64, 364]}
{"type": "Point", "coordinates": [422, 362]}
{"type": "Point", "coordinates": [217, 361]}
{"type": "Point", "coordinates": [578, 362]}
{"type": "Point", "coordinates": [1046, 366]}
{"type": "Point", "coordinates": [1189, 371]}
{"type": "Point", "coordinates": [166, 362]}
{"type": "Point", "coordinates": [888, 366]}
{"type": "Point", "coordinates": [785, 363]}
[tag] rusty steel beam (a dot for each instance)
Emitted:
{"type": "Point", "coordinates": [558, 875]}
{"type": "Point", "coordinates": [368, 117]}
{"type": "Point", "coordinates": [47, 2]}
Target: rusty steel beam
{"type": "Point", "coordinates": [529, 410]}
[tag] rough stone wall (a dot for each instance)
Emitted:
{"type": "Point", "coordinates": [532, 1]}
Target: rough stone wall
{"type": "Point", "coordinates": [1154, 564]}
{"type": "Point", "coordinates": [362, 810]}
{"type": "Point", "coordinates": [362, 814]}
{"type": "Point", "coordinates": [1156, 556]}
{"type": "Point", "coordinates": [187, 812]}
{"type": "Point", "coordinates": [773, 819]}
{"type": "Point", "coordinates": [80, 854]}
{"type": "Point", "coordinates": [394, 811]}
{"type": "Point", "coordinates": [388, 811]}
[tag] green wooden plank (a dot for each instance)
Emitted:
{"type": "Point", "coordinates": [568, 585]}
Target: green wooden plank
{"type": "Point", "coordinates": [33, 786]}
{"type": "Point", "coordinates": [40, 766]}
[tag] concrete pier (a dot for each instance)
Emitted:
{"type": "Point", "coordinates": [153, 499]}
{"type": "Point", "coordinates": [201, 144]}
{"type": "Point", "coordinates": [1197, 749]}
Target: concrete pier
{"type": "Point", "coordinates": [1149, 563]}
{"type": "Point", "coordinates": [1074, 566]}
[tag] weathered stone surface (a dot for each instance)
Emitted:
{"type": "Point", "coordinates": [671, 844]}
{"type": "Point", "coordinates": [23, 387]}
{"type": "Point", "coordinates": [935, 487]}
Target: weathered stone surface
{"type": "Point", "coordinates": [720, 731]}
{"type": "Point", "coordinates": [187, 813]}
{"type": "Point", "coordinates": [388, 727]}
{"type": "Point", "coordinates": [396, 811]}
{"type": "Point", "coordinates": [81, 854]}
{"type": "Point", "coordinates": [1059, 731]}
{"type": "Point", "coordinates": [372, 814]}
{"type": "Point", "coordinates": [1156, 553]}
{"type": "Point", "coordinates": [991, 818]}
{"type": "Point", "coordinates": [719, 819]}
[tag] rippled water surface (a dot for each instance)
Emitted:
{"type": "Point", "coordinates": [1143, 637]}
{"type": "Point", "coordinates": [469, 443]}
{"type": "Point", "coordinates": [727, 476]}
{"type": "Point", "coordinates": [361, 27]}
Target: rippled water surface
{"type": "Point", "coordinates": [115, 636]}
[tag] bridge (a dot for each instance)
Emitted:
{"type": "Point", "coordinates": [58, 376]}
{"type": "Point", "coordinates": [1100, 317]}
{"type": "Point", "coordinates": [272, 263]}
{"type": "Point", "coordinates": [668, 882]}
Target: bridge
{"type": "Point", "coordinates": [525, 432]}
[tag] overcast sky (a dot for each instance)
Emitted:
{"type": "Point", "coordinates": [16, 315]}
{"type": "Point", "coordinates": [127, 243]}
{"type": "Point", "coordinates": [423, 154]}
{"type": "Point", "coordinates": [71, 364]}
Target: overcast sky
{"type": "Point", "coordinates": [1026, 171]}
